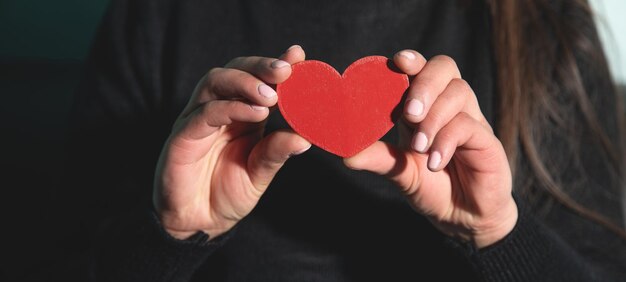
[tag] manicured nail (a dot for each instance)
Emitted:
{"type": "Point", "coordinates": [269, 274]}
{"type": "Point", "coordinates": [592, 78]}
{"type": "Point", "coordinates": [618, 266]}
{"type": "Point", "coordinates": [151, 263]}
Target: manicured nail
{"type": "Point", "coordinates": [301, 151]}
{"type": "Point", "coordinates": [266, 91]}
{"type": "Point", "coordinates": [420, 142]}
{"type": "Point", "coordinates": [279, 64]}
{"type": "Point", "coordinates": [407, 54]}
{"type": "Point", "coordinates": [415, 107]}
{"type": "Point", "coordinates": [258, 108]}
{"type": "Point", "coordinates": [434, 161]}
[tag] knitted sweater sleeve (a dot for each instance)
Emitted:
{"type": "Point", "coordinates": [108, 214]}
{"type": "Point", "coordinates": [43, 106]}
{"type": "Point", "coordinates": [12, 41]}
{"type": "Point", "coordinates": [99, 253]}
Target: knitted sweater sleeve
{"type": "Point", "coordinates": [139, 249]}
{"type": "Point", "coordinates": [535, 252]}
{"type": "Point", "coordinates": [116, 131]}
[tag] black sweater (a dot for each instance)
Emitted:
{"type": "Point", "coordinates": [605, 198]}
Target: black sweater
{"type": "Point", "coordinates": [318, 221]}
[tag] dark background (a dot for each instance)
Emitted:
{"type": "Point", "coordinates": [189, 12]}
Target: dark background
{"type": "Point", "coordinates": [42, 47]}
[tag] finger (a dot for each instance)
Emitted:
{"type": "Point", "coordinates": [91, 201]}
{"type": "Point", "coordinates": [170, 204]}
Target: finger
{"type": "Point", "coordinates": [269, 70]}
{"type": "Point", "coordinates": [231, 83]}
{"type": "Point", "coordinates": [294, 54]}
{"type": "Point", "coordinates": [457, 97]}
{"type": "Point", "coordinates": [427, 85]}
{"type": "Point", "coordinates": [207, 119]}
{"type": "Point", "coordinates": [465, 135]}
{"type": "Point", "coordinates": [269, 155]}
{"type": "Point", "coordinates": [226, 83]}
{"type": "Point", "coordinates": [410, 62]}
{"type": "Point", "coordinates": [386, 160]}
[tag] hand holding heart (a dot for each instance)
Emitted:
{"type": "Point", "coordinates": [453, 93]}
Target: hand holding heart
{"type": "Point", "coordinates": [450, 165]}
{"type": "Point", "coordinates": [216, 165]}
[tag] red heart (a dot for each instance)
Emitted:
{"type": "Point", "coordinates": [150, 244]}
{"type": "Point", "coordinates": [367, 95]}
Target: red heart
{"type": "Point", "coordinates": [342, 114]}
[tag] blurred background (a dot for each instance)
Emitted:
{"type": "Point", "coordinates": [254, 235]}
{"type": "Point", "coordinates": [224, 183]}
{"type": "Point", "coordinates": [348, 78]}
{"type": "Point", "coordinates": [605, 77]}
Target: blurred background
{"type": "Point", "coordinates": [42, 48]}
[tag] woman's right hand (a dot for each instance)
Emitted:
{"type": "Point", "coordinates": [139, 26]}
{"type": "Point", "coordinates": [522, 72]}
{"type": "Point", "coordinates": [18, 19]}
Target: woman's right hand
{"type": "Point", "coordinates": [216, 163]}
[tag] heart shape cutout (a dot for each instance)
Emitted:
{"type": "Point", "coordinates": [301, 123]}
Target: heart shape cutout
{"type": "Point", "coordinates": [342, 114]}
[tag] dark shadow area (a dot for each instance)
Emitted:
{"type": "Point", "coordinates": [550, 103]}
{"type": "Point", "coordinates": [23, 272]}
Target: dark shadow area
{"type": "Point", "coordinates": [36, 100]}
{"type": "Point", "coordinates": [43, 44]}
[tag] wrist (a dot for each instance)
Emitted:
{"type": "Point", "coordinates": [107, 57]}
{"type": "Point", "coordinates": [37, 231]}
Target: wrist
{"type": "Point", "coordinates": [184, 235]}
{"type": "Point", "coordinates": [495, 232]}
{"type": "Point", "coordinates": [183, 229]}
{"type": "Point", "coordinates": [180, 235]}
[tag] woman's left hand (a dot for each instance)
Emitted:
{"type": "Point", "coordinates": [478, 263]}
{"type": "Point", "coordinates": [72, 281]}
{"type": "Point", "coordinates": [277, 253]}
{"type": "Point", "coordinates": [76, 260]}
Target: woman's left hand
{"type": "Point", "coordinates": [450, 164]}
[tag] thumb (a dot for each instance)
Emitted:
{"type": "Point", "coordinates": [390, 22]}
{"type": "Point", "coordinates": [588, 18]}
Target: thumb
{"type": "Point", "coordinates": [386, 160]}
{"type": "Point", "coordinates": [269, 155]}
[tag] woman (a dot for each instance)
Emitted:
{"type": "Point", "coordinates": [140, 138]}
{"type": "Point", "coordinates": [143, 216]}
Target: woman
{"type": "Point", "coordinates": [536, 199]}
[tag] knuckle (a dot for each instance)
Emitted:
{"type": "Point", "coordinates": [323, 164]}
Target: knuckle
{"type": "Point", "coordinates": [443, 137]}
{"type": "Point", "coordinates": [235, 61]}
{"type": "Point", "coordinates": [212, 77]}
{"type": "Point", "coordinates": [448, 63]}
{"type": "Point", "coordinates": [432, 122]}
{"type": "Point", "coordinates": [244, 79]}
{"type": "Point", "coordinates": [465, 118]}
{"type": "Point", "coordinates": [462, 85]}
{"type": "Point", "coordinates": [445, 59]}
{"type": "Point", "coordinates": [425, 82]}
{"type": "Point", "coordinates": [243, 84]}
{"type": "Point", "coordinates": [210, 107]}
{"type": "Point", "coordinates": [211, 112]}
{"type": "Point", "coordinates": [486, 125]}
{"type": "Point", "coordinates": [212, 73]}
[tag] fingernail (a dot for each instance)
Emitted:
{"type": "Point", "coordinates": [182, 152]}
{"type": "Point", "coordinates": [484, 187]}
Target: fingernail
{"type": "Point", "coordinates": [279, 64]}
{"type": "Point", "coordinates": [420, 142]}
{"type": "Point", "coordinates": [258, 108]}
{"type": "Point", "coordinates": [407, 54]}
{"type": "Point", "coordinates": [294, 46]}
{"type": "Point", "coordinates": [415, 107]}
{"type": "Point", "coordinates": [301, 151]}
{"type": "Point", "coordinates": [434, 161]}
{"type": "Point", "coordinates": [266, 91]}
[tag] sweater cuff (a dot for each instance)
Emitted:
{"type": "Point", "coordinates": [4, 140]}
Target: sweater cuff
{"type": "Point", "coordinates": [520, 256]}
{"type": "Point", "coordinates": [141, 250]}
{"type": "Point", "coordinates": [199, 240]}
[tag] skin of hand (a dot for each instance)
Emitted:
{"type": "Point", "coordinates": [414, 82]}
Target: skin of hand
{"type": "Point", "coordinates": [216, 164]}
{"type": "Point", "coordinates": [449, 163]}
